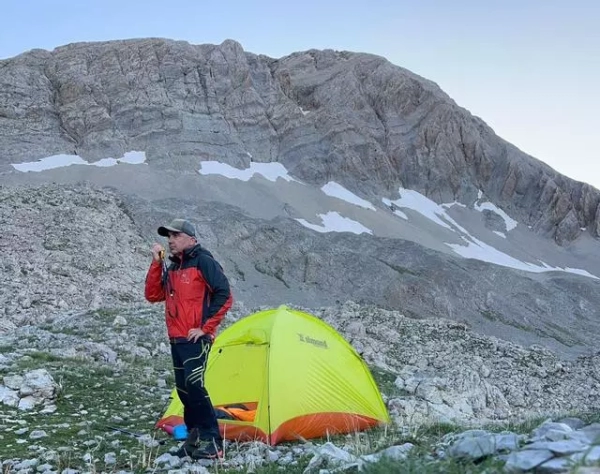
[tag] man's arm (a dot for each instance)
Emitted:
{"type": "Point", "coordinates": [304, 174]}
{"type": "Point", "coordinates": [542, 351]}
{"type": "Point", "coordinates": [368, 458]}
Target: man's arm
{"type": "Point", "coordinates": [221, 298]}
{"type": "Point", "coordinates": [154, 291]}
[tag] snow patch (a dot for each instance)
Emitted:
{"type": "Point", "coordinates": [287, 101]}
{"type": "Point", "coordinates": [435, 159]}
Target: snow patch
{"type": "Point", "coordinates": [334, 222]}
{"type": "Point", "coordinates": [510, 222]}
{"type": "Point", "coordinates": [479, 250]}
{"type": "Point", "coordinates": [61, 161]}
{"type": "Point", "coordinates": [270, 171]}
{"type": "Point", "coordinates": [338, 191]}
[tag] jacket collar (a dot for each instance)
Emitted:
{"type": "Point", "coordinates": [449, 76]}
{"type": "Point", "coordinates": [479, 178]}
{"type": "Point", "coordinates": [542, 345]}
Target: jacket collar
{"type": "Point", "coordinates": [187, 253]}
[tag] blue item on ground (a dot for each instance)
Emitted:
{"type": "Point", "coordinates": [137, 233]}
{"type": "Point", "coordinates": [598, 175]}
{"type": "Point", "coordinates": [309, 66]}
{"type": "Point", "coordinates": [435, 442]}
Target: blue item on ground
{"type": "Point", "coordinates": [180, 432]}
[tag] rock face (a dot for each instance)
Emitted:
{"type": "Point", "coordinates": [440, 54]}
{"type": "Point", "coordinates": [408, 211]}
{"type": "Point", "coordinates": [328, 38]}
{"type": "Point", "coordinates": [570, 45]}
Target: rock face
{"type": "Point", "coordinates": [438, 370]}
{"type": "Point", "coordinates": [327, 116]}
{"type": "Point", "coordinates": [354, 118]}
{"type": "Point", "coordinates": [66, 249]}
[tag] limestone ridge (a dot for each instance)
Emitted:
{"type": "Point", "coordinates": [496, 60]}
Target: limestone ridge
{"type": "Point", "coordinates": [326, 115]}
{"type": "Point", "coordinates": [73, 249]}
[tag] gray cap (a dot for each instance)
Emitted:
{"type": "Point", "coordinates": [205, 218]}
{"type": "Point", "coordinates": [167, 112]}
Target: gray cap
{"type": "Point", "coordinates": [178, 225]}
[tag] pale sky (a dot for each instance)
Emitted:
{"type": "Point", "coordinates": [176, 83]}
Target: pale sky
{"type": "Point", "coordinates": [529, 68]}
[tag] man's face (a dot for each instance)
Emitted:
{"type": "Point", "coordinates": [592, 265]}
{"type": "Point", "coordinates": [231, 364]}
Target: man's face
{"type": "Point", "coordinates": [179, 241]}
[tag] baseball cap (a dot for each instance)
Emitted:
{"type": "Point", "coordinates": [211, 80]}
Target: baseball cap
{"type": "Point", "coordinates": [178, 225]}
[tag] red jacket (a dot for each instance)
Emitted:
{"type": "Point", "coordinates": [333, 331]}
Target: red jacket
{"type": "Point", "coordinates": [195, 291]}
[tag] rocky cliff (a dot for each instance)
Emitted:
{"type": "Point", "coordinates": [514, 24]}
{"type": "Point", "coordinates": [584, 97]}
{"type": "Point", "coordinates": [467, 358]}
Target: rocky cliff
{"type": "Point", "coordinates": [354, 118]}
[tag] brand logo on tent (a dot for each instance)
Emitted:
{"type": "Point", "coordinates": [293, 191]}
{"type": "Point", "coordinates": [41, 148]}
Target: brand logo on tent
{"type": "Point", "coordinates": [314, 342]}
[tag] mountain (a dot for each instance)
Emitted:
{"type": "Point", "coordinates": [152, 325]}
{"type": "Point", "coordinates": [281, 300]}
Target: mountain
{"type": "Point", "coordinates": [273, 159]}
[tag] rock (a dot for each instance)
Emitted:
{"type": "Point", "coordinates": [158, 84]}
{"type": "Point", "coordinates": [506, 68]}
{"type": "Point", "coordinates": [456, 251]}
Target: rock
{"type": "Point", "coordinates": [9, 397]}
{"type": "Point", "coordinates": [37, 434]}
{"type": "Point", "coordinates": [39, 383]}
{"type": "Point", "coordinates": [555, 465]}
{"type": "Point", "coordinates": [48, 409]}
{"type": "Point", "coordinates": [169, 460]}
{"type": "Point", "coordinates": [551, 431]}
{"type": "Point", "coordinates": [331, 456]}
{"type": "Point", "coordinates": [27, 403]}
{"type": "Point", "coordinates": [26, 464]}
{"type": "Point", "coordinates": [592, 432]}
{"type": "Point", "coordinates": [591, 456]}
{"type": "Point", "coordinates": [119, 321]}
{"type": "Point", "coordinates": [574, 423]}
{"type": "Point", "coordinates": [13, 382]}
{"type": "Point", "coordinates": [560, 447]}
{"type": "Point", "coordinates": [525, 460]}
{"type": "Point", "coordinates": [393, 453]}
{"type": "Point", "coordinates": [351, 118]}
{"type": "Point", "coordinates": [477, 444]}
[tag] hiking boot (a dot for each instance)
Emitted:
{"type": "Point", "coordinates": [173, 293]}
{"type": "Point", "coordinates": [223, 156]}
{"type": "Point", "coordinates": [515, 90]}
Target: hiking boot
{"type": "Point", "coordinates": [184, 451]}
{"type": "Point", "coordinates": [189, 445]}
{"type": "Point", "coordinates": [208, 449]}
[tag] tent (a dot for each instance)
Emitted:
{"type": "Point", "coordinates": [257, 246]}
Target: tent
{"type": "Point", "coordinates": [281, 375]}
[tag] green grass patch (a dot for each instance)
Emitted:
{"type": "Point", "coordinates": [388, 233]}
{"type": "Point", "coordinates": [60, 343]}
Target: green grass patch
{"type": "Point", "coordinates": [436, 431]}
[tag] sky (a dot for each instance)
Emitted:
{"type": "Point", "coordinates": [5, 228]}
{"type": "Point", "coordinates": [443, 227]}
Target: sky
{"type": "Point", "coordinates": [529, 68]}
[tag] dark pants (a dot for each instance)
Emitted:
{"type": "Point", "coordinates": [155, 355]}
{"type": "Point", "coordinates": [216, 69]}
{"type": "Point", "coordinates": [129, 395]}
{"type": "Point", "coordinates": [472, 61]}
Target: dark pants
{"type": "Point", "coordinates": [189, 362]}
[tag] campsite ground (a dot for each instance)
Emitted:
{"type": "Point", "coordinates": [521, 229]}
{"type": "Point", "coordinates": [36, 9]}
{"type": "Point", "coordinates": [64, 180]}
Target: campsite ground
{"type": "Point", "coordinates": [113, 371]}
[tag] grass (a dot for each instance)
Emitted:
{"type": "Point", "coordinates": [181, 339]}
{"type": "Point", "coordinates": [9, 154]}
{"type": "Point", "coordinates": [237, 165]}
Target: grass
{"type": "Point", "coordinates": [94, 396]}
{"type": "Point", "coordinates": [385, 381]}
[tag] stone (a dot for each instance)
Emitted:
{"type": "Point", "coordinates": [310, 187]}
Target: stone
{"type": "Point", "coordinates": [555, 465]}
{"type": "Point", "coordinates": [525, 460]}
{"type": "Point", "coordinates": [27, 403]}
{"type": "Point", "coordinates": [9, 397]}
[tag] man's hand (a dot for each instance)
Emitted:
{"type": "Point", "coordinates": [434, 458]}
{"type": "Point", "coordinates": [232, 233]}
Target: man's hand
{"type": "Point", "coordinates": [194, 334]}
{"type": "Point", "coordinates": [156, 250]}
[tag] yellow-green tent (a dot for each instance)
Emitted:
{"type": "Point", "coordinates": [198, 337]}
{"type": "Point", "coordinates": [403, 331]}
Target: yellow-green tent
{"type": "Point", "coordinates": [282, 375]}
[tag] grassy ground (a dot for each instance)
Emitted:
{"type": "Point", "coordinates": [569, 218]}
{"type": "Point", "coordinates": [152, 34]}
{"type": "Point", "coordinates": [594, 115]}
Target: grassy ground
{"type": "Point", "coordinates": [95, 397]}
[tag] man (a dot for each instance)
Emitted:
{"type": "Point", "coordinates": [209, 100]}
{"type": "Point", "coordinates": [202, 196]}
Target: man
{"type": "Point", "coordinates": [197, 296]}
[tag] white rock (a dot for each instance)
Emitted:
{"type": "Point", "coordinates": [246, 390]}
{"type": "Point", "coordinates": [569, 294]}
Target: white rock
{"type": "Point", "coordinates": [37, 434]}
{"type": "Point", "coordinates": [48, 409]}
{"type": "Point", "coordinates": [395, 453]}
{"type": "Point", "coordinates": [556, 465]}
{"type": "Point", "coordinates": [28, 403]}
{"type": "Point", "coordinates": [273, 456]}
{"type": "Point", "coordinates": [41, 382]}
{"type": "Point", "coordinates": [589, 457]}
{"type": "Point", "coordinates": [525, 460]}
{"type": "Point", "coordinates": [13, 381]}
{"type": "Point", "coordinates": [169, 460]}
{"type": "Point", "coordinates": [562, 447]}
{"type": "Point", "coordinates": [26, 390]}
{"type": "Point", "coordinates": [331, 455]}
{"type": "Point", "coordinates": [119, 321]}
{"type": "Point", "coordinates": [8, 396]}
{"type": "Point", "coordinates": [26, 464]}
